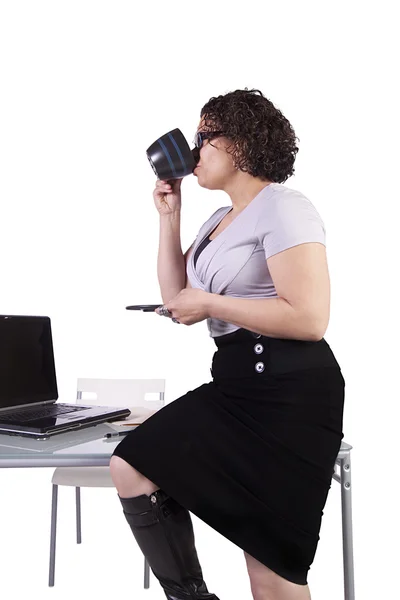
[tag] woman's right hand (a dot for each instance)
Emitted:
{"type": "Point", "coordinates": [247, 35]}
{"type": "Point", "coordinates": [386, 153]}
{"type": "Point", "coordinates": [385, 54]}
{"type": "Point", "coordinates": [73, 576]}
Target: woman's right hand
{"type": "Point", "coordinates": [167, 196]}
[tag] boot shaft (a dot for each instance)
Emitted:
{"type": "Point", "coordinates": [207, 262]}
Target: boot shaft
{"type": "Point", "coordinates": [164, 532]}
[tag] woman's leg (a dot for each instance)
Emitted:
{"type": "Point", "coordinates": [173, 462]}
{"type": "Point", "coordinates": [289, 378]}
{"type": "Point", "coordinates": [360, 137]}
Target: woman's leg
{"type": "Point", "coordinates": [128, 481]}
{"type": "Point", "coordinates": [267, 585]}
{"type": "Point", "coordinates": [164, 532]}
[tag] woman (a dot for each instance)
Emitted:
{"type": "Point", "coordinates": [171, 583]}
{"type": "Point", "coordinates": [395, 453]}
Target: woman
{"type": "Point", "coordinates": [251, 453]}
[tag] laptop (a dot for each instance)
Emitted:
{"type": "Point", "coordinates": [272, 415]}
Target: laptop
{"type": "Point", "coordinates": [87, 438]}
{"type": "Point", "coordinates": [28, 384]}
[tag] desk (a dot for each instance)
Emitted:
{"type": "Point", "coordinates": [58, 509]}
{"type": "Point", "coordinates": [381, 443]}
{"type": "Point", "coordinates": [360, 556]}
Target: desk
{"type": "Point", "coordinates": [84, 448]}
{"type": "Point", "coordinates": [81, 448]}
{"type": "Point", "coordinates": [89, 448]}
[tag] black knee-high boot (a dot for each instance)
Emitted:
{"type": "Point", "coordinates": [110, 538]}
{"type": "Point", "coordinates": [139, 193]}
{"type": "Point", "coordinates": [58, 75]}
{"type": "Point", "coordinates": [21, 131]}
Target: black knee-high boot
{"type": "Point", "coordinates": [164, 531]}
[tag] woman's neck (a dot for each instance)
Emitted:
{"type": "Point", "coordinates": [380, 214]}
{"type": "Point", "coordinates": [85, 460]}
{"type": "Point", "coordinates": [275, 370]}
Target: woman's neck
{"type": "Point", "coordinates": [242, 189]}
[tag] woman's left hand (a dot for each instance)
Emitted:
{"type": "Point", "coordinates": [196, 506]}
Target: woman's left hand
{"type": "Point", "coordinates": [190, 306]}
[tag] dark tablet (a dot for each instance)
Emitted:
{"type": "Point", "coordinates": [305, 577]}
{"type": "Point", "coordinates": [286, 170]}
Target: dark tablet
{"type": "Point", "coordinates": [144, 307]}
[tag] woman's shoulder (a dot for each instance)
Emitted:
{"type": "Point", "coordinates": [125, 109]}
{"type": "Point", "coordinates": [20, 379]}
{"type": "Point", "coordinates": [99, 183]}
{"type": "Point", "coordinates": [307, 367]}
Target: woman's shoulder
{"type": "Point", "coordinates": [284, 193]}
{"type": "Point", "coordinates": [286, 203]}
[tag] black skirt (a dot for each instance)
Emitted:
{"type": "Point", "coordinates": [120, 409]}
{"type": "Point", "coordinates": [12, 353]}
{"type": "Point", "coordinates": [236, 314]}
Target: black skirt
{"type": "Point", "coordinates": [252, 453]}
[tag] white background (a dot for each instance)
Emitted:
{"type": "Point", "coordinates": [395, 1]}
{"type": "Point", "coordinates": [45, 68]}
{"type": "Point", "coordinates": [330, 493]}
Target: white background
{"type": "Point", "coordinates": [86, 87]}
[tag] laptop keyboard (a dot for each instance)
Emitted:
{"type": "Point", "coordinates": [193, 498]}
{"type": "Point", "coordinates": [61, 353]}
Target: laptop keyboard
{"type": "Point", "coordinates": [22, 416]}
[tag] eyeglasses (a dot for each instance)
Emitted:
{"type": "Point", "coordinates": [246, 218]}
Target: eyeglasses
{"type": "Point", "coordinates": [205, 135]}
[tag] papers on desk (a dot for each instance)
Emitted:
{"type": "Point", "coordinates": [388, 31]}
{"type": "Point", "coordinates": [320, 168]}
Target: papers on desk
{"type": "Point", "coordinates": [137, 416]}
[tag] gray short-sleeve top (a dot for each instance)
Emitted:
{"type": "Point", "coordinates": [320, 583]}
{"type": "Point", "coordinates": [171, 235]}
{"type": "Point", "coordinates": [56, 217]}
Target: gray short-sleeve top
{"type": "Point", "coordinates": [234, 263]}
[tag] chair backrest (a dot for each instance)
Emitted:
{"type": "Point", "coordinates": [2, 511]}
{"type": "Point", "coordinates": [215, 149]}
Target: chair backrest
{"type": "Point", "coordinates": [143, 393]}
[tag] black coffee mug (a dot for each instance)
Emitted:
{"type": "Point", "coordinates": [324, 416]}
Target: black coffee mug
{"type": "Point", "coordinates": [170, 156]}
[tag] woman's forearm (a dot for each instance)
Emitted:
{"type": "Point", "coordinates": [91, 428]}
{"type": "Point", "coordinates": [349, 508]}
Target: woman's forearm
{"type": "Point", "coordinates": [272, 317]}
{"type": "Point", "coordinates": [170, 262]}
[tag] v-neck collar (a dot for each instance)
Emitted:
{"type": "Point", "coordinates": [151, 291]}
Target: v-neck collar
{"type": "Point", "coordinates": [228, 210]}
{"type": "Point", "coordinates": [214, 245]}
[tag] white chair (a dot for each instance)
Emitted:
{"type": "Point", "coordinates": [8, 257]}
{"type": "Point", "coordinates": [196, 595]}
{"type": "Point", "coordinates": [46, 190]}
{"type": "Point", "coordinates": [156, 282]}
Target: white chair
{"type": "Point", "coordinates": [129, 393]}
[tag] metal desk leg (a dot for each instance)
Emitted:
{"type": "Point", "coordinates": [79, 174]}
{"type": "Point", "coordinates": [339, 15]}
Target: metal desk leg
{"type": "Point", "coordinates": [347, 527]}
{"type": "Point", "coordinates": [146, 574]}
{"type": "Point", "coordinates": [53, 534]}
{"type": "Point", "coordinates": [78, 515]}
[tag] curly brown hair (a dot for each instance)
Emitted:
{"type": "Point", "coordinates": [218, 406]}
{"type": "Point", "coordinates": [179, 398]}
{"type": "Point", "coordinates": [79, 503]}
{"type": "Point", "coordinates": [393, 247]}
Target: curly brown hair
{"type": "Point", "coordinates": [263, 140]}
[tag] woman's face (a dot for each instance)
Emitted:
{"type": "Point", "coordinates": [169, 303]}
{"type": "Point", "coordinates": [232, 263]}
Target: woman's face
{"type": "Point", "coordinates": [215, 167]}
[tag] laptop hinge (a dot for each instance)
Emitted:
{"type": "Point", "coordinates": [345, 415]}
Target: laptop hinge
{"type": "Point", "coordinates": [18, 406]}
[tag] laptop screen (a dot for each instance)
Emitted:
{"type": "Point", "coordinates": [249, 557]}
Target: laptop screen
{"type": "Point", "coordinates": [27, 371]}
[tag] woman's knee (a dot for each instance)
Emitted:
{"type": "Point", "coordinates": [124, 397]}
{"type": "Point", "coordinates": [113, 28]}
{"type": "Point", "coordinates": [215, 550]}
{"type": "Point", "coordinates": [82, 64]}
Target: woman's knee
{"type": "Point", "coordinates": [122, 473]}
{"type": "Point", "coordinates": [128, 481]}
{"type": "Point", "coordinates": [266, 584]}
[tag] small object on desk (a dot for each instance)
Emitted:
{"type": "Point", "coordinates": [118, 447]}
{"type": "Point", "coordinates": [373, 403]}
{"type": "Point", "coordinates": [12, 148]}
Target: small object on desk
{"type": "Point", "coordinates": [144, 307]}
{"type": "Point", "coordinates": [115, 434]}
{"type": "Point", "coordinates": [137, 417]}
